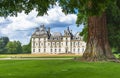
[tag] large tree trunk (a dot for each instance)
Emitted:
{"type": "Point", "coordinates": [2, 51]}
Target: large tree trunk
{"type": "Point", "coordinates": [98, 48]}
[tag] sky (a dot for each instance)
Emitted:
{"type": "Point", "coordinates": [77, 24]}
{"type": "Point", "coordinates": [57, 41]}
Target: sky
{"type": "Point", "coordinates": [22, 27]}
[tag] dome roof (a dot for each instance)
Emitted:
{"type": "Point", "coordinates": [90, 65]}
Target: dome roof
{"type": "Point", "coordinates": [40, 31]}
{"type": "Point", "coordinates": [77, 34]}
{"type": "Point", "coordinates": [56, 34]}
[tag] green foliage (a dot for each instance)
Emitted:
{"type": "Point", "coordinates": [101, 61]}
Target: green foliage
{"type": "Point", "coordinates": [27, 48]}
{"type": "Point", "coordinates": [113, 25]}
{"type": "Point", "coordinates": [12, 7]}
{"type": "Point", "coordinates": [85, 8]}
{"type": "Point", "coordinates": [84, 33]}
{"type": "Point", "coordinates": [3, 43]}
{"type": "Point", "coordinates": [113, 21]}
{"type": "Point", "coordinates": [9, 47]}
{"type": "Point", "coordinates": [58, 69]}
{"type": "Point", "coordinates": [14, 47]}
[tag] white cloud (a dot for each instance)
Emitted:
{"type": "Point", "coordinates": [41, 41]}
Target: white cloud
{"type": "Point", "coordinates": [21, 27]}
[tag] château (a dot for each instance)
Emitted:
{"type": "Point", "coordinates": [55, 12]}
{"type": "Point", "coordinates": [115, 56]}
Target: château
{"type": "Point", "coordinates": [45, 42]}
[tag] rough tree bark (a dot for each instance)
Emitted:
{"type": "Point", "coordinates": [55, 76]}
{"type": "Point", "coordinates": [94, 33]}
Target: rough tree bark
{"type": "Point", "coordinates": [98, 48]}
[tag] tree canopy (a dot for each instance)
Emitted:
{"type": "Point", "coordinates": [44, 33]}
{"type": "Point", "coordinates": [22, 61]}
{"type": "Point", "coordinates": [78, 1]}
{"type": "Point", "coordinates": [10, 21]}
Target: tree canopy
{"type": "Point", "coordinates": [27, 48]}
{"type": "Point", "coordinates": [84, 7]}
{"type": "Point", "coordinates": [113, 25]}
{"type": "Point", "coordinates": [14, 47]}
{"type": "Point", "coordinates": [3, 43]}
{"type": "Point", "coordinates": [12, 7]}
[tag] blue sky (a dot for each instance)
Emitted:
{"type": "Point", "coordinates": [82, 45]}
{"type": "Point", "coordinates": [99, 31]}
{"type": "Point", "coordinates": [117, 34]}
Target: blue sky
{"type": "Point", "coordinates": [21, 27]}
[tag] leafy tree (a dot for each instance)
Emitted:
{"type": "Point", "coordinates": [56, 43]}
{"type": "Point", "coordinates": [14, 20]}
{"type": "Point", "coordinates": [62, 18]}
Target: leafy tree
{"type": "Point", "coordinates": [90, 12]}
{"type": "Point", "coordinates": [113, 21]}
{"type": "Point", "coordinates": [14, 47]}
{"type": "Point", "coordinates": [27, 48]}
{"type": "Point", "coordinates": [93, 14]}
{"type": "Point", "coordinates": [84, 33]}
{"type": "Point", "coordinates": [113, 25]}
{"type": "Point", "coordinates": [18, 47]}
{"type": "Point", "coordinates": [3, 43]}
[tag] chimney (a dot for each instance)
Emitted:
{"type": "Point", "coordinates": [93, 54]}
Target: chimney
{"type": "Point", "coordinates": [48, 29]}
{"type": "Point", "coordinates": [68, 28]}
{"type": "Point", "coordinates": [37, 28]}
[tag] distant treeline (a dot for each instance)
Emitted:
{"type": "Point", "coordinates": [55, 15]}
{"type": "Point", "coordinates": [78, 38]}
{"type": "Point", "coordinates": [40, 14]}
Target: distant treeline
{"type": "Point", "coordinates": [13, 47]}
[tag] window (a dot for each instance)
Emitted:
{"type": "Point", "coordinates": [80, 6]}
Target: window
{"type": "Point", "coordinates": [66, 43]}
{"type": "Point", "coordinates": [82, 49]}
{"type": "Point", "coordinates": [55, 50]}
{"type": "Point", "coordinates": [59, 50]}
{"type": "Point", "coordinates": [33, 44]}
{"type": "Point", "coordinates": [33, 50]}
{"type": "Point", "coordinates": [66, 38]}
{"type": "Point", "coordinates": [74, 50]}
{"type": "Point", "coordinates": [51, 50]}
{"type": "Point", "coordinates": [78, 49]}
{"type": "Point", "coordinates": [44, 50]}
{"type": "Point", "coordinates": [48, 44]}
{"type": "Point", "coordinates": [74, 43]}
{"type": "Point", "coordinates": [78, 43]}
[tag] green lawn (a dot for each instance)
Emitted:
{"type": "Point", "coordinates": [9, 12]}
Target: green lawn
{"type": "Point", "coordinates": [58, 69]}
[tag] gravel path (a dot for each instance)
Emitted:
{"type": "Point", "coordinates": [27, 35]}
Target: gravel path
{"type": "Point", "coordinates": [35, 58]}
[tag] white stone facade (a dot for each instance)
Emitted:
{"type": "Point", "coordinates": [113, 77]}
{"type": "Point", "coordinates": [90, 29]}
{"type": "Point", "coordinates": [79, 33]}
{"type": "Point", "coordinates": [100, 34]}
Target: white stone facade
{"type": "Point", "coordinates": [43, 42]}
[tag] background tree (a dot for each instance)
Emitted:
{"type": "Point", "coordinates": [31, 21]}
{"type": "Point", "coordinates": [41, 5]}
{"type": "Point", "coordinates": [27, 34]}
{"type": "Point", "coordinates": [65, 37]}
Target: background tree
{"type": "Point", "coordinates": [14, 47]}
{"type": "Point", "coordinates": [3, 43]}
{"type": "Point", "coordinates": [27, 48]}
{"type": "Point", "coordinates": [90, 12]}
{"type": "Point", "coordinates": [18, 47]}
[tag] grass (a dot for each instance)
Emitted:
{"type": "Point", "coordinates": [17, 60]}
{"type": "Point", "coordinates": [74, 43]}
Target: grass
{"type": "Point", "coordinates": [58, 69]}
